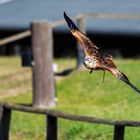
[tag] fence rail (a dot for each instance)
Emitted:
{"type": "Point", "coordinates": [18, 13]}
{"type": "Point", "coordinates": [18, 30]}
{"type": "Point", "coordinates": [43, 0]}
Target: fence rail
{"type": "Point", "coordinates": [54, 115]}
{"type": "Point", "coordinates": [68, 116]}
{"type": "Point", "coordinates": [15, 37]}
{"type": "Point", "coordinates": [111, 16]}
{"type": "Point", "coordinates": [27, 33]}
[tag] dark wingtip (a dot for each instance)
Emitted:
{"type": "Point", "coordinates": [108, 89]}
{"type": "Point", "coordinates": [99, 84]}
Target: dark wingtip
{"type": "Point", "coordinates": [136, 89]}
{"type": "Point", "coordinates": [70, 23]}
{"type": "Point", "coordinates": [65, 15]}
{"type": "Point", "coordinates": [125, 79]}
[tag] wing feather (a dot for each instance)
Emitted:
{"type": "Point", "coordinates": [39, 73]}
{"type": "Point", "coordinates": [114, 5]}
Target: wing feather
{"type": "Point", "coordinates": [123, 78]}
{"type": "Point", "coordinates": [89, 47]}
{"type": "Point", "coordinates": [109, 63]}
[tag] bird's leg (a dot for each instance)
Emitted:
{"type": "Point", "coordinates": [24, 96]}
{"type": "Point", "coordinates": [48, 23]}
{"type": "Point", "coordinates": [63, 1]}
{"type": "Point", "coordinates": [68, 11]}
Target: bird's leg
{"type": "Point", "coordinates": [91, 71]}
{"type": "Point", "coordinates": [103, 77]}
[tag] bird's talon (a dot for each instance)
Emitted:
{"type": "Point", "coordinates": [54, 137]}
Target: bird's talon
{"type": "Point", "coordinates": [103, 77]}
{"type": "Point", "coordinates": [91, 71]}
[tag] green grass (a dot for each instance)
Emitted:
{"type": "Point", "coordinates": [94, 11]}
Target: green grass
{"type": "Point", "coordinates": [79, 93]}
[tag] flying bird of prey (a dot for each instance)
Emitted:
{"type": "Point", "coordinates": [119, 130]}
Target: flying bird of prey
{"type": "Point", "coordinates": [94, 59]}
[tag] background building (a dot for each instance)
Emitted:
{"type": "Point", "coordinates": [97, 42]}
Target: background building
{"type": "Point", "coordinates": [120, 37]}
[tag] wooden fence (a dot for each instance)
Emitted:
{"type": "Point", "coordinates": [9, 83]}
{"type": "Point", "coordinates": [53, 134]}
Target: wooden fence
{"type": "Point", "coordinates": [52, 118]}
{"type": "Point", "coordinates": [43, 80]}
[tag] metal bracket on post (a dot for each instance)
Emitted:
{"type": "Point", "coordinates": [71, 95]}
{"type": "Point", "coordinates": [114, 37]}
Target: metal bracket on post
{"type": "Point", "coordinates": [43, 77]}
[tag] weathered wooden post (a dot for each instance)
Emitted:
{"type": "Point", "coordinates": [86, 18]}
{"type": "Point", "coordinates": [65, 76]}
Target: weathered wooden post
{"type": "Point", "coordinates": [51, 128]}
{"type": "Point", "coordinates": [5, 119]}
{"type": "Point", "coordinates": [119, 132]}
{"type": "Point", "coordinates": [80, 52]}
{"type": "Point", "coordinates": [43, 77]}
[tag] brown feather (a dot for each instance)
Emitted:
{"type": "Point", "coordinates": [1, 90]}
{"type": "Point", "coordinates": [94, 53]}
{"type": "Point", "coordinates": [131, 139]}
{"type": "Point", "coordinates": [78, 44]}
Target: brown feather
{"type": "Point", "coordinates": [108, 56]}
{"type": "Point", "coordinates": [109, 63]}
{"type": "Point", "coordinates": [89, 47]}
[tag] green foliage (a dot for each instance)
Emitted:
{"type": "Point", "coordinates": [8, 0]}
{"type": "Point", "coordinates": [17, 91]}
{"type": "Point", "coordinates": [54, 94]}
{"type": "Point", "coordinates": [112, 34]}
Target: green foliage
{"type": "Point", "coordinates": [79, 93]}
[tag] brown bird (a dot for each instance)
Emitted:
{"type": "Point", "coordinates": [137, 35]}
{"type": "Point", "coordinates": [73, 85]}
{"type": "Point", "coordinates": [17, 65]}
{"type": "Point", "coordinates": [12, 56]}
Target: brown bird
{"type": "Point", "coordinates": [94, 59]}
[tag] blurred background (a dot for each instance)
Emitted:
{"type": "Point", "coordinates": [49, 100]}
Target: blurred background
{"type": "Point", "coordinates": [118, 36]}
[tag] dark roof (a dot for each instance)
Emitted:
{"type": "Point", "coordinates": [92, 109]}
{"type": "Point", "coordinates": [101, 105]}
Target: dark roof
{"type": "Point", "coordinates": [18, 14]}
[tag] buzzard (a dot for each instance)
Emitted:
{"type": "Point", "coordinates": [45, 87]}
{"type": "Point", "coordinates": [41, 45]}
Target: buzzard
{"type": "Point", "coordinates": [94, 59]}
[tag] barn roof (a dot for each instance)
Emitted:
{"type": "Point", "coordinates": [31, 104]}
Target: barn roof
{"type": "Point", "coordinates": [18, 14]}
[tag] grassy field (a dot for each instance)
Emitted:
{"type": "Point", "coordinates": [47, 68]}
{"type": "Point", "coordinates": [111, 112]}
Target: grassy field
{"type": "Point", "coordinates": [79, 93]}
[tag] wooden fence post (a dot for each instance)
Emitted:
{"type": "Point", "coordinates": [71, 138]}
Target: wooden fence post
{"type": "Point", "coordinates": [119, 132]}
{"type": "Point", "coordinates": [43, 77]}
{"type": "Point", "coordinates": [80, 51]}
{"type": "Point", "coordinates": [51, 128]}
{"type": "Point", "coordinates": [5, 123]}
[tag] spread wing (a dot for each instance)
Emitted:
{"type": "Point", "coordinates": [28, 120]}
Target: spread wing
{"type": "Point", "coordinates": [111, 67]}
{"type": "Point", "coordinates": [123, 78]}
{"type": "Point", "coordinates": [89, 47]}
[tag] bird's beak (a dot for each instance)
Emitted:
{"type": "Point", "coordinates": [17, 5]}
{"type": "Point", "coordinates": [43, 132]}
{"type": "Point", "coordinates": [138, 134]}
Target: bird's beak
{"type": "Point", "coordinates": [70, 23]}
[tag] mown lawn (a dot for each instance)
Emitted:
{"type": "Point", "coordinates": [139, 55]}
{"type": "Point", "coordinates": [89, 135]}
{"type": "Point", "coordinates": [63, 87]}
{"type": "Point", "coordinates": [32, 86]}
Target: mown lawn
{"type": "Point", "coordinates": [79, 93]}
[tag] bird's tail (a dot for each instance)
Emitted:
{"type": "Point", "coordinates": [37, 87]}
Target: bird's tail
{"type": "Point", "coordinates": [124, 78]}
